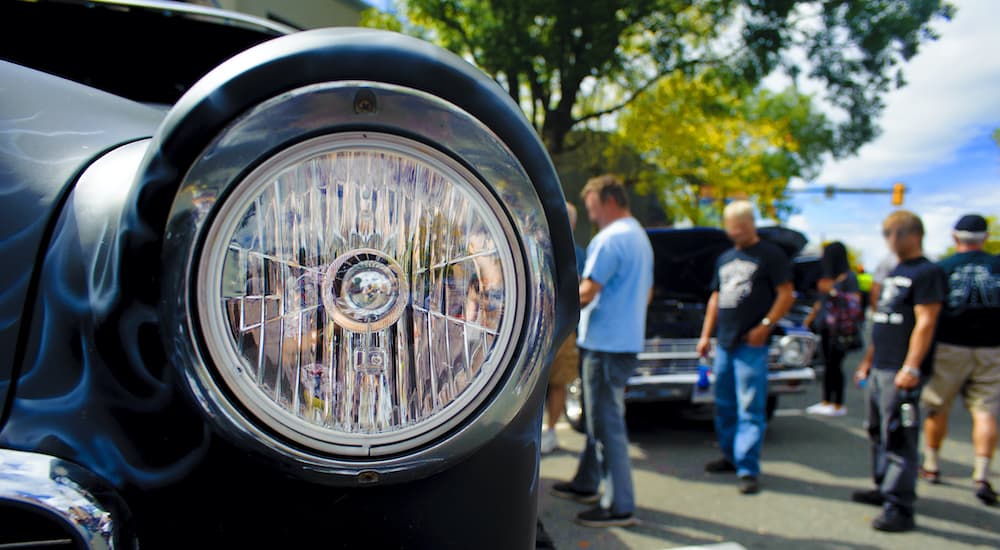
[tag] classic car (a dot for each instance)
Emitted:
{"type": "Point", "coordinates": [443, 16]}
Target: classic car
{"type": "Point", "coordinates": [267, 288]}
{"type": "Point", "coordinates": [668, 370]}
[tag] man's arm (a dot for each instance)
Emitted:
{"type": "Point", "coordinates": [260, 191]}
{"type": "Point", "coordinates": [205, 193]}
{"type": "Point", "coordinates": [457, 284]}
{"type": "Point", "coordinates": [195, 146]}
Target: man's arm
{"type": "Point", "coordinates": [708, 326]}
{"type": "Point", "coordinates": [920, 343]}
{"type": "Point", "coordinates": [782, 303]}
{"type": "Point", "coordinates": [589, 289]}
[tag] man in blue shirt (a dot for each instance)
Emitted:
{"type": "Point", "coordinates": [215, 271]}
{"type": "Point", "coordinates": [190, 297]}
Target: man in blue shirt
{"type": "Point", "coordinates": [615, 289]}
{"type": "Point", "coordinates": [752, 290]}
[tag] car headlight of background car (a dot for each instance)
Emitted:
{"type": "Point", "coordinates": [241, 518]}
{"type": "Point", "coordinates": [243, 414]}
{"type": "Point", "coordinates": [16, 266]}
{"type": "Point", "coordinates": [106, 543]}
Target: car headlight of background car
{"type": "Point", "coordinates": [797, 349]}
{"type": "Point", "coordinates": [358, 271]}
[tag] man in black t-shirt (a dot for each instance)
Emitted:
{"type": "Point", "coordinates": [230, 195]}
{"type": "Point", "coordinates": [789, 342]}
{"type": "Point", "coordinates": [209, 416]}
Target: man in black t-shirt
{"type": "Point", "coordinates": [752, 288]}
{"type": "Point", "coordinates": [902, 337]}
{"type": "Point", "coordinates": [967, 359]}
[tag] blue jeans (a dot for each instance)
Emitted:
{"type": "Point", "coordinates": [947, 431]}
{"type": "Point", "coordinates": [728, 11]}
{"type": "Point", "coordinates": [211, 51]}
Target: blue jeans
{"type": "Point", "coordinates": [741, 405]}
{"type": "Point", "coordinates": [605, 457]}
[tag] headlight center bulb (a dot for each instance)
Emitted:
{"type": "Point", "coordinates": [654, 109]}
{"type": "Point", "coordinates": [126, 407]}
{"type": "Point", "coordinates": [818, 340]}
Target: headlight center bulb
{"type": "Point", "coordinates": [364, 290]}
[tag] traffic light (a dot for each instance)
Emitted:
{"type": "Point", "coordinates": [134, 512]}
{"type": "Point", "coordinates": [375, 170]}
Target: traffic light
{"type": "Point", "coordinates": [897, 194]}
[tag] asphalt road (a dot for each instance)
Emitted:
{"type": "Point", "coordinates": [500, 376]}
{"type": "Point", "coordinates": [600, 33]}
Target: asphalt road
{"type": "Point", "coordinates": [810, 466]}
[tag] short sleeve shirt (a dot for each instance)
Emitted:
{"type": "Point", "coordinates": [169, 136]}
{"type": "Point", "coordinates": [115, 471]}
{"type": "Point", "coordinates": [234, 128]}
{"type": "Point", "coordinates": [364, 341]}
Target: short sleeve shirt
{"type": "Point", "coordinates": [971, 313]}
{"type": "Point", "coordinates": [913, 282]}
{"type": "Point", "coordinates": [620, 259]}
{"type": "Point", "coordinates": [747, 281]}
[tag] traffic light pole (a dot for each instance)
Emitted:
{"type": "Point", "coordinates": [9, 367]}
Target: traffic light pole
{"type": "Point", "coordinates": [897, 191]}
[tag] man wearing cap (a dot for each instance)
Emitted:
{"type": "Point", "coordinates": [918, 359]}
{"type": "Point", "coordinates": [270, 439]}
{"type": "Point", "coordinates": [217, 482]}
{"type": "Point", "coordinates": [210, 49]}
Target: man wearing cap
{"type": "Point", "coordinates": [967, 359]}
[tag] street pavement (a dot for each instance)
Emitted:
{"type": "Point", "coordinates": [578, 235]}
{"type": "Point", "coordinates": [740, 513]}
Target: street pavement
{"type": "Point", "coordinates": [810, 466]}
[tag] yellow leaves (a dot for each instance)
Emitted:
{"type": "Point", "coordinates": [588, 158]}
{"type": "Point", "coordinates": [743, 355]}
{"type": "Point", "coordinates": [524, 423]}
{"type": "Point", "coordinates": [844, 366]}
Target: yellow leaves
{"type": "Point", "coordinates": [703, 136]}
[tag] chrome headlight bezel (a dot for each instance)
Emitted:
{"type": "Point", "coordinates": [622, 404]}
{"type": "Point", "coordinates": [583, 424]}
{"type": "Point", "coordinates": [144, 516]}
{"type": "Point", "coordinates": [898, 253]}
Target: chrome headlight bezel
{"type": "Point", "coordinates": [211, 263]}
{"type": "Point", "coordinates": [416, 118]}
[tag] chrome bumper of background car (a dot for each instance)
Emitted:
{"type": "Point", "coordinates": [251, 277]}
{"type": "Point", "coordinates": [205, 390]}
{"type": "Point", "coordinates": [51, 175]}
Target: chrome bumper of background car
{"type": "Point", "coordinates": [679, 385]}
{"type": "Point", "coordinates": [61, 490]}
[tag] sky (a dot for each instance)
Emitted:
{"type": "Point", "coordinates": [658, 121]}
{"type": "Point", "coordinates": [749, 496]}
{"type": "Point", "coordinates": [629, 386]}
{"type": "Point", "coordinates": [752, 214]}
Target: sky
{"type": "Point", "coordinates": [936, 139]}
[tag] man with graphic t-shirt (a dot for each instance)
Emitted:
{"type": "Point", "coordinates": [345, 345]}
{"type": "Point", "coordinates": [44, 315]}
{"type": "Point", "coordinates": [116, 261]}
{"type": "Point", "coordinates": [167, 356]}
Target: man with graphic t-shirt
{"type": "Point", "coordinates": [902, 337]}
{"type": "Point", "coordinates": [967, 359]}
{"type": "Point", "coordinates": [752, 290]}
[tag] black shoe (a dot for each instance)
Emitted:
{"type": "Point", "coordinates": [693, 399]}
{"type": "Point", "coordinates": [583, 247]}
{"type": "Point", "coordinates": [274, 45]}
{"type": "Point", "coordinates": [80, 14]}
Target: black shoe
{"type": "Point", "coordinates": [932, 476]}
{"type": "Point", "coordinates": [873, 497]}
{"type": "Point", "coordinates": [719, 466]}
{"type": "Point", "coordinates": [567, 491]}
{"type": "Point", "coordinates": [894, 521]}
{"type": "Point", "coordinates": [599, 517]}
{"type": "Point", "coordinates": [749, 485]}
{"type": "Point", "coordinates": [985, 493]}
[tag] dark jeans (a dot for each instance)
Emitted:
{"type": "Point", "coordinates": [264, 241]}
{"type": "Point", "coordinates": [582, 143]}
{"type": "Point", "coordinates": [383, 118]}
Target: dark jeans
{"type": "Point", "coordinates": [894, 446]}
{"type": "Point", "coordinates": [833, 372]}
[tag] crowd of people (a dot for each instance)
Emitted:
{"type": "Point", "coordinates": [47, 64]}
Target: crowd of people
{"type": "Point", "coordinates": [932, 337]}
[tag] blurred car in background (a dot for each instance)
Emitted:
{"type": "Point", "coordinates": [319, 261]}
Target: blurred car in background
{"type": "Point", "coordinates": [668, 370]}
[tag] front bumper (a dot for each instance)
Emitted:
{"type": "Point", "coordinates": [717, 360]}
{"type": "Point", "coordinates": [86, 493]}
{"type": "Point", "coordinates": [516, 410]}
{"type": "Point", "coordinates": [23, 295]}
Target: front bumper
{"type": "Point", "coordinates": [86, 507]}
{"type": "Point", "coordinates": [680, 387]}
{"type": "Point", "coordinates": [668, 369]}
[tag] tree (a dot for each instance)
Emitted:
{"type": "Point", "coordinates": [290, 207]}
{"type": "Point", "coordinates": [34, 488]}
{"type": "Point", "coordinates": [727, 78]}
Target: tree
{"type": "Point", "coordinates": [707, 143]}
{"type": "Point", "coordinates": [571, 62]}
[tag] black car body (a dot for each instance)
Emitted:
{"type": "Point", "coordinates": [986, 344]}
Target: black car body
{"type": "Point", "coordinates": [668, 370]}
{"type": "Point", "coordinates": [266, 288]}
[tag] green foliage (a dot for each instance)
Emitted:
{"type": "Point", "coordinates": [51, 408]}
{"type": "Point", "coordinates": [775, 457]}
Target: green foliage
{"type": "Point", "coordinates": [572, 62]}
{"type": "Point", "coordinates": [706, 143]}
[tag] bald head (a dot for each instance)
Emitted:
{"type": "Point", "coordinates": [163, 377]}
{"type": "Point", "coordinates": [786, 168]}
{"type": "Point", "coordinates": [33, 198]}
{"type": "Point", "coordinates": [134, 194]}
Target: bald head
{"type": "Point", "coordinates": [738, 220]}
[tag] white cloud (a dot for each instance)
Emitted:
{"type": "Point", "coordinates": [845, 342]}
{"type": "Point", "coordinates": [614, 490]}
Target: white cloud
{"type": "Point", "coordinates": [951, 96]}
{"type": "Point", "coordinates": [935, 139]}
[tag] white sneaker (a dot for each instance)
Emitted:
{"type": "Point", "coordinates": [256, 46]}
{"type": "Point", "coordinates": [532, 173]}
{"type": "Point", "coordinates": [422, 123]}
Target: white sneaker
{"type": "Point", "coordinates": [834, 411]}
{"type": "Point", "coordinates": [549, 441]}
{"type": "Point", "coordinates": [819, 408]}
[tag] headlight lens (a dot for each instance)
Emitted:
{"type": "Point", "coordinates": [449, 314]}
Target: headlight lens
{"type": "Point", "coordinates": [796, 351]}
{"type": "Point", "coordinates": [357, 292]}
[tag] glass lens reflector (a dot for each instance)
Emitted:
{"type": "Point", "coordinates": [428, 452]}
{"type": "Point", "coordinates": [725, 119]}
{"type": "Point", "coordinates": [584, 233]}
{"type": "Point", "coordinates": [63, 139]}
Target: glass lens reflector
{"type": "Point", "coordinates": [358, 287]}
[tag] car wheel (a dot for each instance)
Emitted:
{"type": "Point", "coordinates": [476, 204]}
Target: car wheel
{"type": "Point", "coordinates": [772, 405]}
{"type": "Point", "coordinates": [574, 406]}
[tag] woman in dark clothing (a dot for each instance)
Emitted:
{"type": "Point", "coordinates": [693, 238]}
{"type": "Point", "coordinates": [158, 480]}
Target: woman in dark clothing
{"type": "Point", "coordinates": [837, 279]}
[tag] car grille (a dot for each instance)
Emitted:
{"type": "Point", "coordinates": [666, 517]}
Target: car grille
{"type": "Point", "coordinates": [679, 355]}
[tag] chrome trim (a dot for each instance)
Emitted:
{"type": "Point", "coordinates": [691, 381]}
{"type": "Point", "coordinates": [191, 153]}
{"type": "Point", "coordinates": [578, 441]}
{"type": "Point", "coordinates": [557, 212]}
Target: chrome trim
{"type": "Point", "coordinates": [689, 378]}
{"type": "Point", "coordinates": [65, 491]}
{"type": "Point", "coordinates": [220, 16]}
{"type": "Point", "coordinates": [330, 108]}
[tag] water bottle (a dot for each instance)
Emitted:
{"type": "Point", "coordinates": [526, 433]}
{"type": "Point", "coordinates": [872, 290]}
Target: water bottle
{"type": "Point", "coordinates": [703, 382]}
{"type": "Point", "coordinates": [907, 416]}
{"type": "Point", "coordinates": [702, 392]}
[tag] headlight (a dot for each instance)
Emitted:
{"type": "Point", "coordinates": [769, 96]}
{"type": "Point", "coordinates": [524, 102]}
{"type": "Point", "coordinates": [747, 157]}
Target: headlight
{"type": "Point", "coordinates": [796, 350]}
{"type": "Point", "coordinates": [358, 274]}
{"type": "Point", "coordinates": [357, 292]}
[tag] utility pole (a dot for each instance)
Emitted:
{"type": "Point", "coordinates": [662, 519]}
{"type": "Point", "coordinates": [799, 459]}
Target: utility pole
{"type": "Point", "coordinates": [897, 191]}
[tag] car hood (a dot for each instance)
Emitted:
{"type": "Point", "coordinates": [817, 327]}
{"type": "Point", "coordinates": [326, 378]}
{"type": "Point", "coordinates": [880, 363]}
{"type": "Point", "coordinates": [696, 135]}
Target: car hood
{"type": "Point", "coordinates": [684, 259]}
